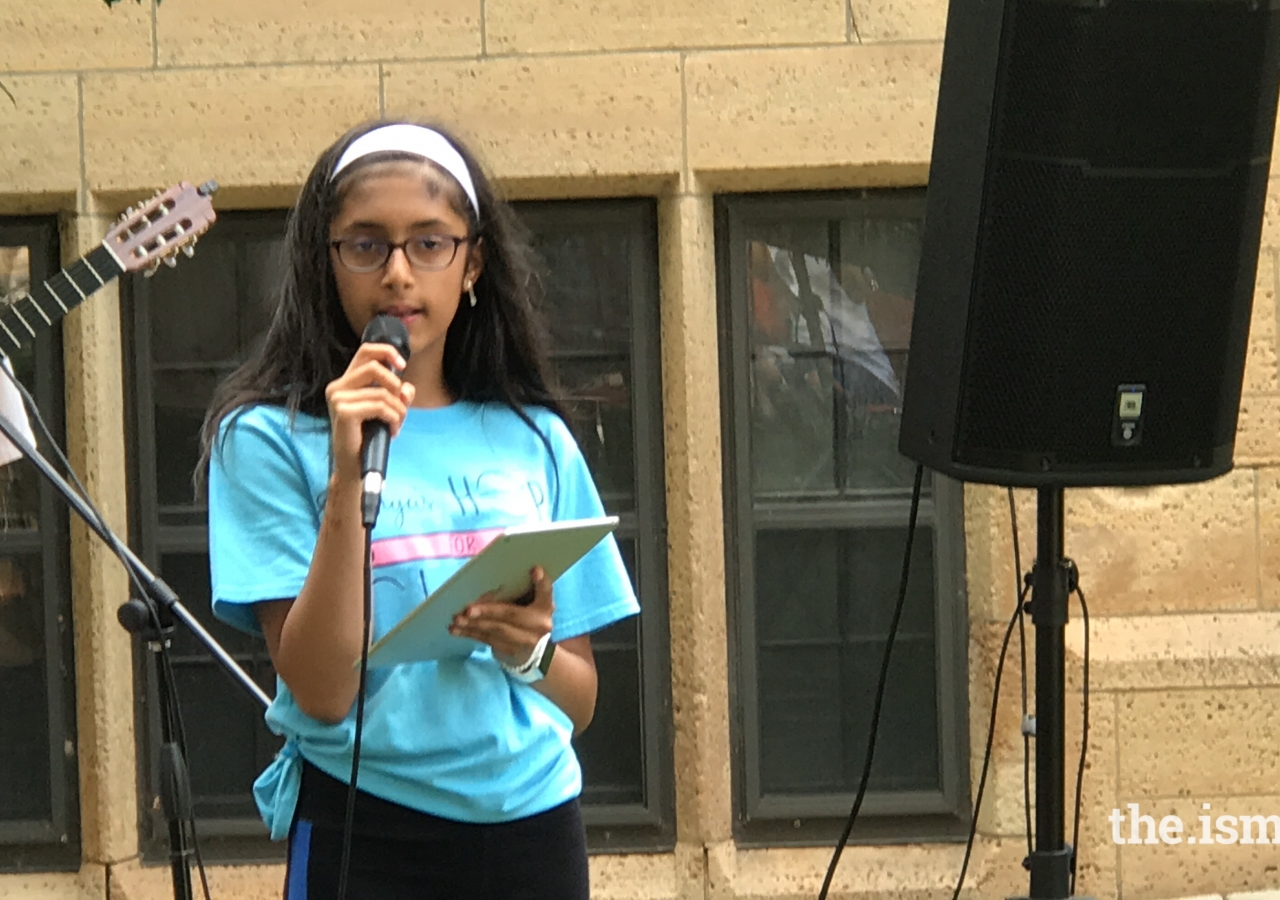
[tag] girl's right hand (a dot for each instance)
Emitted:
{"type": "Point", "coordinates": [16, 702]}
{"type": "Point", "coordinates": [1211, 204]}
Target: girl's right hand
{"type": "Point", "coordinates": [369, 389]}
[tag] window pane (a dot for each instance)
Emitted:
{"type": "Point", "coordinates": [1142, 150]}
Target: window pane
{"type": "Point", "coordinates": [611, 749]}
{"type": "Point", "coordinates": [600, 410]}
{"type": "Point", "coordinates": [181, 399]}
{"type": "Point", "coordinates": [228, 741]}
{"type": "Point", "coordinates": [830, 305]}
{"type": "Point", "coordinates": [824, 603]}
{"type": "Point", "coordinates": [601, 287]}
{"type": "Point", "coordinates": [19, 485]}
{"type": "Point", "coordinates": [588, 285]}
{"type": "Point", "coordinates": [24, 702]}
{"type": "Point", "coordinates": [38, 796]}
{"type": "Point", "coordinates": [15, 273]}
{"type": "Point", "coordinates": [192, 322]}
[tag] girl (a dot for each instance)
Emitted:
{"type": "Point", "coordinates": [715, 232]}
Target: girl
{"type": "Point", "coordinates": [468, 783]}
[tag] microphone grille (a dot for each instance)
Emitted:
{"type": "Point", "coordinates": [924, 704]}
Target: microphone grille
{"type": "Point", "coordinates": [388, 330]}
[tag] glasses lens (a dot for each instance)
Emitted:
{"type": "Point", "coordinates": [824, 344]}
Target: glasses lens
{"type": "Point", "coordinates": [431, 251]}
{"type": "Point", "coordinates": [362, 253]}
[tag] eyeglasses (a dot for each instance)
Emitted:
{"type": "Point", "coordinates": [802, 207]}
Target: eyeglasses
{"type": "Point", "coordinates": [432, 252]}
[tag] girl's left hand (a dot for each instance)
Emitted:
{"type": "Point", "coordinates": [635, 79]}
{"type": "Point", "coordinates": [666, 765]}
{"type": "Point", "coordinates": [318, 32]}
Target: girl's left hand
{"type": "Point", "coordinates": [511, 629]}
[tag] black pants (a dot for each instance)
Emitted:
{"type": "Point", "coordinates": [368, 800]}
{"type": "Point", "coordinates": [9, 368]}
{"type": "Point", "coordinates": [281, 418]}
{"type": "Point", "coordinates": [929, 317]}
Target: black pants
{"type": "Point", "coordinates": [401, 854]}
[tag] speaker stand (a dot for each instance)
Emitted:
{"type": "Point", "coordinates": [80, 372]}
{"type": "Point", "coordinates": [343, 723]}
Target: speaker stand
{"type": "Point", "coordinates": [1053, 580]}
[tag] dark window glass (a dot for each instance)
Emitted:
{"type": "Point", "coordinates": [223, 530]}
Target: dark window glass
{"type": "Point", "coordinates": [39, 816]}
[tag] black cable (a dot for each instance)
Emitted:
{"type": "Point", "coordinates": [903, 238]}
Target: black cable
{"type": "Point", "coordinates": [1084, 741]}
{"type": "Point", "coordinates": [355, 750]}
{"type": "Point", "coordinates": [1018, 581]}
{"type": "Point", "coordinates": [175, 710]}
{"type": "Point", "coordinates": [884, 675]}
{"type": "Point", "coordinates": [991, 736]}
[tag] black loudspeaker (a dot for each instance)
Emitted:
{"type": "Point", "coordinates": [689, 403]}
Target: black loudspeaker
{"type": "Point", "coordinates": [1091, 239]}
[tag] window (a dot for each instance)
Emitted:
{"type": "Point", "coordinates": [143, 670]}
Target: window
{"type": "Point", "coordinates": [39, 812]}
{"type": "Point", "coordinates": [817, 502]}
{"type": "Point", "coordinates": [190, 327]}
{"type": "Point", "coordinates": [193, 324]}
{"type": "Point", "coordinates": [602, 292]}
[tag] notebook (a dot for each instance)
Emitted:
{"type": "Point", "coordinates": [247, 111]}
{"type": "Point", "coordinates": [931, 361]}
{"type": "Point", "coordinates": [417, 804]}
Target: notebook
{"type": "Point", "coordinates": [501, 567]}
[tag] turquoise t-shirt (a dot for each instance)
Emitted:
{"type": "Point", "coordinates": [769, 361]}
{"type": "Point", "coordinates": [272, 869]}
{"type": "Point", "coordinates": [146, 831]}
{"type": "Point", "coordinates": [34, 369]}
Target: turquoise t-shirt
{"type": "Point", "coordinates": [457, 738]}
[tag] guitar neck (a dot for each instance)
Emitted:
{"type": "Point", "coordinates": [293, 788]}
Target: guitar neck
{"type": "Point", "coordinates": [22, 320]}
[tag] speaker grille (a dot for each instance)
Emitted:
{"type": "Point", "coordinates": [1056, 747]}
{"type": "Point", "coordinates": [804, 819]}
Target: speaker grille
{"type": "Point", "coordinates": [1087, 282]}
{"type": "Point", "coordinates": [1127, 165]}
{"type": "Point", "coordinates": [1134, 83]}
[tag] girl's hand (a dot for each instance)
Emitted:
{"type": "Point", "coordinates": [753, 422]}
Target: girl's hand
{"type": "Point", "coordinates": [511, 629]}
{"type": "Point", "coordinates": [369, 389]}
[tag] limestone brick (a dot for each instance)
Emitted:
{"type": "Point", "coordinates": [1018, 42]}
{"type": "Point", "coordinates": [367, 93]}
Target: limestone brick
{"type": "Point", "coordinates": [654, 876]}
{"type": "Point", "coordinates": [551, 119]}
{"type": "Point", "coordinates": [39, 142]}
{"type": "Point", "coordinates": [1260, 364]}
{"type": "Point", "coordinates": [1256, 431]}
{"type": "Point", "coordinates": [984, 654]}
{"type": "Point", "coordinates": [1166, 548]}
{"type": "Point", "coordinates": [699, 644]}
{"type": "Point", "coordinates": [992, 585]}
{"type": "Point", "coordinates": [90, 883]}
{"type": "Point", "coordinates": [1269, 536]}
{"type": "Point", "coordinates": [250, 129]}
{"type": "Point", "coordinates": [249, 31]}
{"type": "Point", "coordinates": [105, 743]}
{"type": "Point", "coordinates": [134, 881]}
{"type": "Point", "coordinates": [899, 20]}
{"type": "Point", "coordinates": [71, 34]}
{"type": "Point", "coordinates": [1003, 811]}
{"type": "Point", "coordinates": [528, 26]}
{"type": "Point", "coordinates": [1199, 743]}
{"type": "Point", "coordinates": [1261, 374]}
{"type": "Point", "coordinates": [1139, 653]}
{"type": "Point", "coordinates": [613, 877]}
{"type": "Point", "coordinates": [996, 870]}
{"type": "Point", "coordinates": [828, 116]}
{"type": "Point", "coordinates": [1161, 870]}
{"type": "Point", "coordinates": [1097, 873]}
{"type": "Point", "coordinates": [866, 872]}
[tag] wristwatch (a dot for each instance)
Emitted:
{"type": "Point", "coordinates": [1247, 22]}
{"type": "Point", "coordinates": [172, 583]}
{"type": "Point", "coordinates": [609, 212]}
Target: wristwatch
{"type": "Point", "coordinates": [534, 668]}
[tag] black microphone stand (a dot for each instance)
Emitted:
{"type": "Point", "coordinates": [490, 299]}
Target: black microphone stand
{"type": "Point", "coordinates": [151, 618]}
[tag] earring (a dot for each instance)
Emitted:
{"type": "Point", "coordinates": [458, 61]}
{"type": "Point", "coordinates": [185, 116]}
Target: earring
{"type": "Point", "coordinates": [471, 292]}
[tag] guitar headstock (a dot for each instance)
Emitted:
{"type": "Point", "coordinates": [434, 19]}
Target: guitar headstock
{"type": "Point", "coordinates": [158, 229]}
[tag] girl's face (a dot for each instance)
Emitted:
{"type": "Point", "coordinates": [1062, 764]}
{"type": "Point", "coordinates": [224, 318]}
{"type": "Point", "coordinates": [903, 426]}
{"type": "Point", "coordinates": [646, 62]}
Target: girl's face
{"type": "Point", "coordinates": [421, 281]}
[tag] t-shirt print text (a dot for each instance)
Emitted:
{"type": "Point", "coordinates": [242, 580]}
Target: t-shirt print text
{"type": "Point", "coordinates": [490, 494]}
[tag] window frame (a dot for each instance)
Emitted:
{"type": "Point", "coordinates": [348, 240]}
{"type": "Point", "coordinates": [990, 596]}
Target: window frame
{"type": "Point", "coordinates": [651, 825]}
{"type": "Point", "coordinates": [806, 819]}
{"type": "Point", "coordinates": [53, 844]}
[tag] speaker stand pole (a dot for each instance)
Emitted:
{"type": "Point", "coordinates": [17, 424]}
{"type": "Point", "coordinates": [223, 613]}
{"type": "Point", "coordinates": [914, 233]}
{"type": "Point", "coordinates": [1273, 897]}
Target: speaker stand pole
{"type": "Point", "coordinates": [1053, 580]}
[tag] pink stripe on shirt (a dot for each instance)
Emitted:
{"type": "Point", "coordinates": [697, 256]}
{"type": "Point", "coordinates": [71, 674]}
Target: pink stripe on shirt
{"type": "Point", "coordinates": [441, 545]}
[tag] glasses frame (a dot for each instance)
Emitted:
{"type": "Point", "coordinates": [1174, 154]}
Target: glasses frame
{"type": "Point", "coordinates": [403, 246]}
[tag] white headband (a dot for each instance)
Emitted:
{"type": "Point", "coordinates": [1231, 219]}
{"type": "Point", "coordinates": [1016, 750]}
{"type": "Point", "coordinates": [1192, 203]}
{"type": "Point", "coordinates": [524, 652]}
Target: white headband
{"type": "Point", "coordinates": [406, 138]}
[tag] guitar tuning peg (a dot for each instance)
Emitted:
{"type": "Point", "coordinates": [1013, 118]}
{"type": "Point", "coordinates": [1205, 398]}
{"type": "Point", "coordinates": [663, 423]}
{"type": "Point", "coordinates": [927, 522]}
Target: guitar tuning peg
{"type": "Point", "coordinates": [189, 250]}
{"type": "Point", "coordinates": [170, 260]}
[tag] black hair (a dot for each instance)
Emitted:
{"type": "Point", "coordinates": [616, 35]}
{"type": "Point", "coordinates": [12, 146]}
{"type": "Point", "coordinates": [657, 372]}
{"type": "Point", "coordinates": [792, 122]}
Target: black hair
{"type": "Point", "coordinates": [496, 351]}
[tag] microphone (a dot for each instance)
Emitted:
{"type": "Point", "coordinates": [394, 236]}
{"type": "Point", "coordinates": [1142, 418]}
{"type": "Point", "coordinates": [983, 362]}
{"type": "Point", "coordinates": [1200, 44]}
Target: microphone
{"type": "Point", "coordinates": [377, 434]}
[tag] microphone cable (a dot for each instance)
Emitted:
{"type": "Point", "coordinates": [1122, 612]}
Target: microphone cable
{"type": "Point", "coordinates": [349, 820]}
{"type": "Point", "coordinates": [880, 685]}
